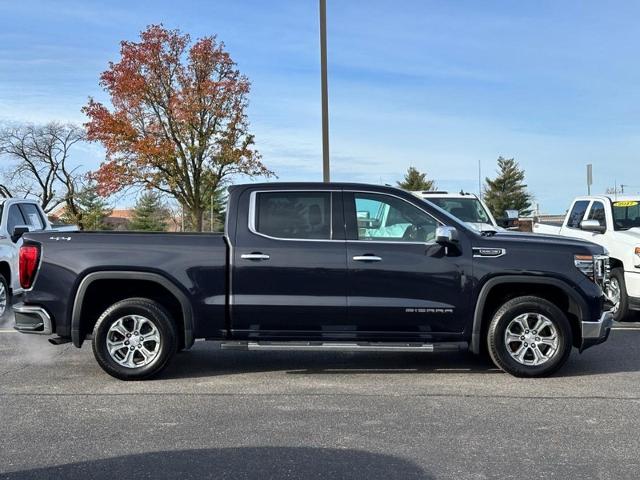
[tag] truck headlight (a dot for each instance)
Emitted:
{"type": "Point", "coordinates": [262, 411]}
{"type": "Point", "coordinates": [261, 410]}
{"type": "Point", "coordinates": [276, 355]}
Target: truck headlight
{"type": "Point", "coordinates": [595, 267]}
{"type": "Point", "coordinates": [584, 263]}
{"type": "Point", "coordinates": [636, 257]}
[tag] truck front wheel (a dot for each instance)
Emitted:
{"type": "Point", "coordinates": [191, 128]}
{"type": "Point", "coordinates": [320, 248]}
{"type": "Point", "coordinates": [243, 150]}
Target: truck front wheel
{"type": "Point", "coordinates": [529, 337]}
{"type": "Point", "coordinates": [617, 294]}
{"type": "Point", "coordinates": [134, 339]}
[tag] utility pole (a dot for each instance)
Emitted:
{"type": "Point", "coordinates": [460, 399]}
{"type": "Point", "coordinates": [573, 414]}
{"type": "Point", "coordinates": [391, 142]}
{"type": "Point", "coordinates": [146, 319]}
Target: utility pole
{"type": "Point", "coordinates": [326, 176]}
{"type": "Point", "coordinates": [589, 178]}
{"type": "Point", "coordinates": [211, 216]}
{"type": "Point", "coordinates": [480, 179]}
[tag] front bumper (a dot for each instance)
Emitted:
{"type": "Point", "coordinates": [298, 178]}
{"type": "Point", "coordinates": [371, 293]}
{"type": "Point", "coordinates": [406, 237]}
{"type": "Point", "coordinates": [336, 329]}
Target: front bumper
{"type": "Point", "coordinates": [632, 282]}
{"type": "Point", "coordinates": [596, 332]}
{"type": "Point", "coordinates": [32, 319]}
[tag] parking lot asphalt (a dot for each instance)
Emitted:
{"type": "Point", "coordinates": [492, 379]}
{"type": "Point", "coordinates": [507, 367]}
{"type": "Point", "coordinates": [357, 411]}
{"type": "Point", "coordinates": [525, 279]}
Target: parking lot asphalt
{"type": "Point", "coordinates": [264, 415]}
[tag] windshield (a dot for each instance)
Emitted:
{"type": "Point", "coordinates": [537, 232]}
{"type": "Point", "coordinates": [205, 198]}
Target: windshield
{"type": "Point", "coordinates": [468, 210]}
{"type": "Point", "coordinates": [626, 214]}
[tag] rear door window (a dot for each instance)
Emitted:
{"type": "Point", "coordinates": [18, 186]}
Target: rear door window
{"type": "Point", "coordinates": [32, 215]}
{"type": "Point", "coordinates": [293, 215]}
{"type": "Point", "coordinates": [577, 213]}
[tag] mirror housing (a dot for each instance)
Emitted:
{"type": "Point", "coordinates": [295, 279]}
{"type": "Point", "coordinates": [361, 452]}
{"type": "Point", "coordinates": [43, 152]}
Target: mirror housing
{"type": "Point", "coordinates": [510, 219]}
{"type": "Point", "coordinates": [446, 235]}
{"type": "Point", "coordinates": [592, 226]}
{"type": "Point", "coordinates": [18, 231]}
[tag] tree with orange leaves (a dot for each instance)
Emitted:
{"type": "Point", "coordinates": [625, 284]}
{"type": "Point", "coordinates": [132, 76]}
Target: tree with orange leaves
{"type": "Point", "coordinates": [178, 122]}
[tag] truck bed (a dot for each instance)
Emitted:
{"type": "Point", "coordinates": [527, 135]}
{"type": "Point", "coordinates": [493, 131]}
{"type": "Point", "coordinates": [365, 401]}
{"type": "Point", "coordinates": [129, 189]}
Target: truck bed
{"type": "Point", "coordinates": [195, 263]}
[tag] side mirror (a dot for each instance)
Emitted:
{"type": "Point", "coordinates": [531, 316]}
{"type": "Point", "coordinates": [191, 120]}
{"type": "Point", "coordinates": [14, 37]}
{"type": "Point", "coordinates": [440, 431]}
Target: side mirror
{"type": "Point", "coordinates": [510, 219]}
{"type": "Point", "coordinates": [18, 231]}
{"type": "Point", "coordinates": [446, 235]}
{"type": "Point", "coordinates": [592, 226]}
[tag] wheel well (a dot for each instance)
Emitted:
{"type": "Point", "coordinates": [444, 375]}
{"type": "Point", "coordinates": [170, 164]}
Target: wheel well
{"type": "Point", "coordinates": [615, 263]}
{"type": "Point", "coordinates": [103, 293]}
{"type": "Point", "coordinates": [5, 270]}
{"type": "Point", "coordinates": [502, 293]}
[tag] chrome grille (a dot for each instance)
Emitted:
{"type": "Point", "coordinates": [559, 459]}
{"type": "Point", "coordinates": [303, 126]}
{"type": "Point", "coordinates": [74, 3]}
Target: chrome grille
{"type": "Point", "coordinates": [601, 270]}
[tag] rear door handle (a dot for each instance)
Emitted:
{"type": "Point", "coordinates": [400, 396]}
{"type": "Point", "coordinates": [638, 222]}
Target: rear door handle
{"type": "Point", "coordinates": [254, 256]}
{"type": "Point", "coordinates": [367, 258]}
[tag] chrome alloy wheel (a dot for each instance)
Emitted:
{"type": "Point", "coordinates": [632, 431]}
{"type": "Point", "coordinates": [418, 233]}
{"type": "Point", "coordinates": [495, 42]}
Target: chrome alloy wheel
{"type": "Point", "coordinates": [531, 339]}
{"type": "Point", "coordinates": [133, 341]}
{"type": "Point", "coordinates": [613, 294]}
{"type": "Point", "coordinates": [3, 299]}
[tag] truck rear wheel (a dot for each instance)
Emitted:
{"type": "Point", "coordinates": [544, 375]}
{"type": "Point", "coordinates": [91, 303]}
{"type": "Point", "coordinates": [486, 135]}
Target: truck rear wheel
{"type": "Point", "coordinates": [134, 339]}
{"type": "Point", "coordinates": [529, 337]}
{"type": "Point", "coordinates": [5, 296]}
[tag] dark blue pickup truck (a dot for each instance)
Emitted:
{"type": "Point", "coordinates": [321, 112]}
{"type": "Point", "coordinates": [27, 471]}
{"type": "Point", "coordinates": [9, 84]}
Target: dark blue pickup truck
{"type": "Point", "coordinates": [311, 266]}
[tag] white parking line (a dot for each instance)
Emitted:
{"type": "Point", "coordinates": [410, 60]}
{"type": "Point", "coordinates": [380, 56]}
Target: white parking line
{"type": "Point", "coordinates": [625, 328]}
{"type": "Point", "coordinates": [8, 330]}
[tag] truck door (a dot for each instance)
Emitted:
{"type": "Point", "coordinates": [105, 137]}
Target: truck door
{"type": "Point", "coordinates": [289, 274]}
{"type": "Point", "coordinates": [401, 282]}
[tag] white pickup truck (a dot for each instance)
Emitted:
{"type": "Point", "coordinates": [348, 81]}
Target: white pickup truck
{"type": "Point", "coordinates": [614, 223]}
{"type": "Point", "coordinates": [23, 214]}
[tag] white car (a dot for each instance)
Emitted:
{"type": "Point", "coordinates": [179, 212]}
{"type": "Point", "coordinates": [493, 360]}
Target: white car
{"type": "Point", "coordinates": [614, 223]}
{"type": "Point", "coordinates": [466, 207]}
{"type": "Point", "coordinates": [26, 215]}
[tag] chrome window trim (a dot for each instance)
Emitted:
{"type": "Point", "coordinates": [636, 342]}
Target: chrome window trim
{"type": "Point", "coordinates": [398, 242]}
{"type": "Point", "coordinates": [252, 214]}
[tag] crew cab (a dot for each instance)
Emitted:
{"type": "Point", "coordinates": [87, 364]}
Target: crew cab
{"type": "Point", "coordinates": [307, 266]}
{"type": "Point", "coordinates": [614, 223]}
{"type": "Point", "coordinates": [26, 215]}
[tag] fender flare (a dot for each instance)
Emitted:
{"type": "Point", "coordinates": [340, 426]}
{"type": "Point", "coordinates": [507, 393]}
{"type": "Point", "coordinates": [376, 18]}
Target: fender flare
{"type": "Point", "coordinates": [185, 304]}
{"type": "Point", "coordinates": [476, 332]}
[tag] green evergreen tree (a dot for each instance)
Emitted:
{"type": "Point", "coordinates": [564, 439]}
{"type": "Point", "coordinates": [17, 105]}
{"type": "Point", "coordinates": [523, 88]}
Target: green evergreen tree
{"type": "Point", "coordinates": [416, 181]}
{"type": "Point", "coordinates": [149, 214]}
{"type": "Point", "coordinates": [93, 210]}
{"type": "Point", "coordinates": [507, 191]}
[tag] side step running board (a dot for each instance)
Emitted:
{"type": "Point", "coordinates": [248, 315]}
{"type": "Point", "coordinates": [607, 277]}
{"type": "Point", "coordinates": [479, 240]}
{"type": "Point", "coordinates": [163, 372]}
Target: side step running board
{"type": "Point", "coordinates": [345, 347]}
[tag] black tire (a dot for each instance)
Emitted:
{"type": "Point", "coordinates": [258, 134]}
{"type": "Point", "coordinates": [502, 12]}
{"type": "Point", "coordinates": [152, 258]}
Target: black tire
{"type": "Point", "coordinates": [501, 320]}
{"type": "Point", "coordinates": [622, 313]}
{"type": "Point", "coordinates": [7, 307]}
{"type": "Point", "coordinates": [157, 316]}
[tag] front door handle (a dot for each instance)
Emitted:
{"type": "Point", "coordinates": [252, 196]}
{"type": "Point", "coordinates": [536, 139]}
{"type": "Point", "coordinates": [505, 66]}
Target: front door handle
{"type": "Point", "coordinates": [254, 256]}
{"type": "Point", "coordinates": [367, 258]}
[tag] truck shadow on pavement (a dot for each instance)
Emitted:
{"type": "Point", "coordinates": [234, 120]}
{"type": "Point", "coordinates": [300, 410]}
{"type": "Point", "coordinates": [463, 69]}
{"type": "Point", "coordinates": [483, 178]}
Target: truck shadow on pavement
{"type": "Point", "coordinates": [261, 463]}
{"type": "Point", "coordinates": [618, 354]}
{"type": "Point", "coordinates": [207, 361]}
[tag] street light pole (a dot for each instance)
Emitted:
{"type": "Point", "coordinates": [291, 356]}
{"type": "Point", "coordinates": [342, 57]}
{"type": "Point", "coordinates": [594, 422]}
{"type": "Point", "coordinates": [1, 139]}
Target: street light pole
{"type": "Point", "coordinates": [326, 177]}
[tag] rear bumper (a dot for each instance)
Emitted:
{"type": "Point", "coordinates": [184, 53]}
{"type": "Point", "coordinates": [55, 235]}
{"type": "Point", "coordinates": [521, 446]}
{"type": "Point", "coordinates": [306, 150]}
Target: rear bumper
{"type": "Point", "coordinates": [32, 319]}
{"type": "Point", "coordinates": [596, 332]}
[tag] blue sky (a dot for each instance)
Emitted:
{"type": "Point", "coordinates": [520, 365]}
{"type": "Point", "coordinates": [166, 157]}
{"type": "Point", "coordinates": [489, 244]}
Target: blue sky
{"type": "Point", "coordinates": [437, 85]}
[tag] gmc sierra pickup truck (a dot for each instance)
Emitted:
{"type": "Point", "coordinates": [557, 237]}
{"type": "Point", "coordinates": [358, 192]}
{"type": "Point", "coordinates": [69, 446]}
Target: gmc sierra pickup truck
{"type": "Point", "coordinates": [311, 266]}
